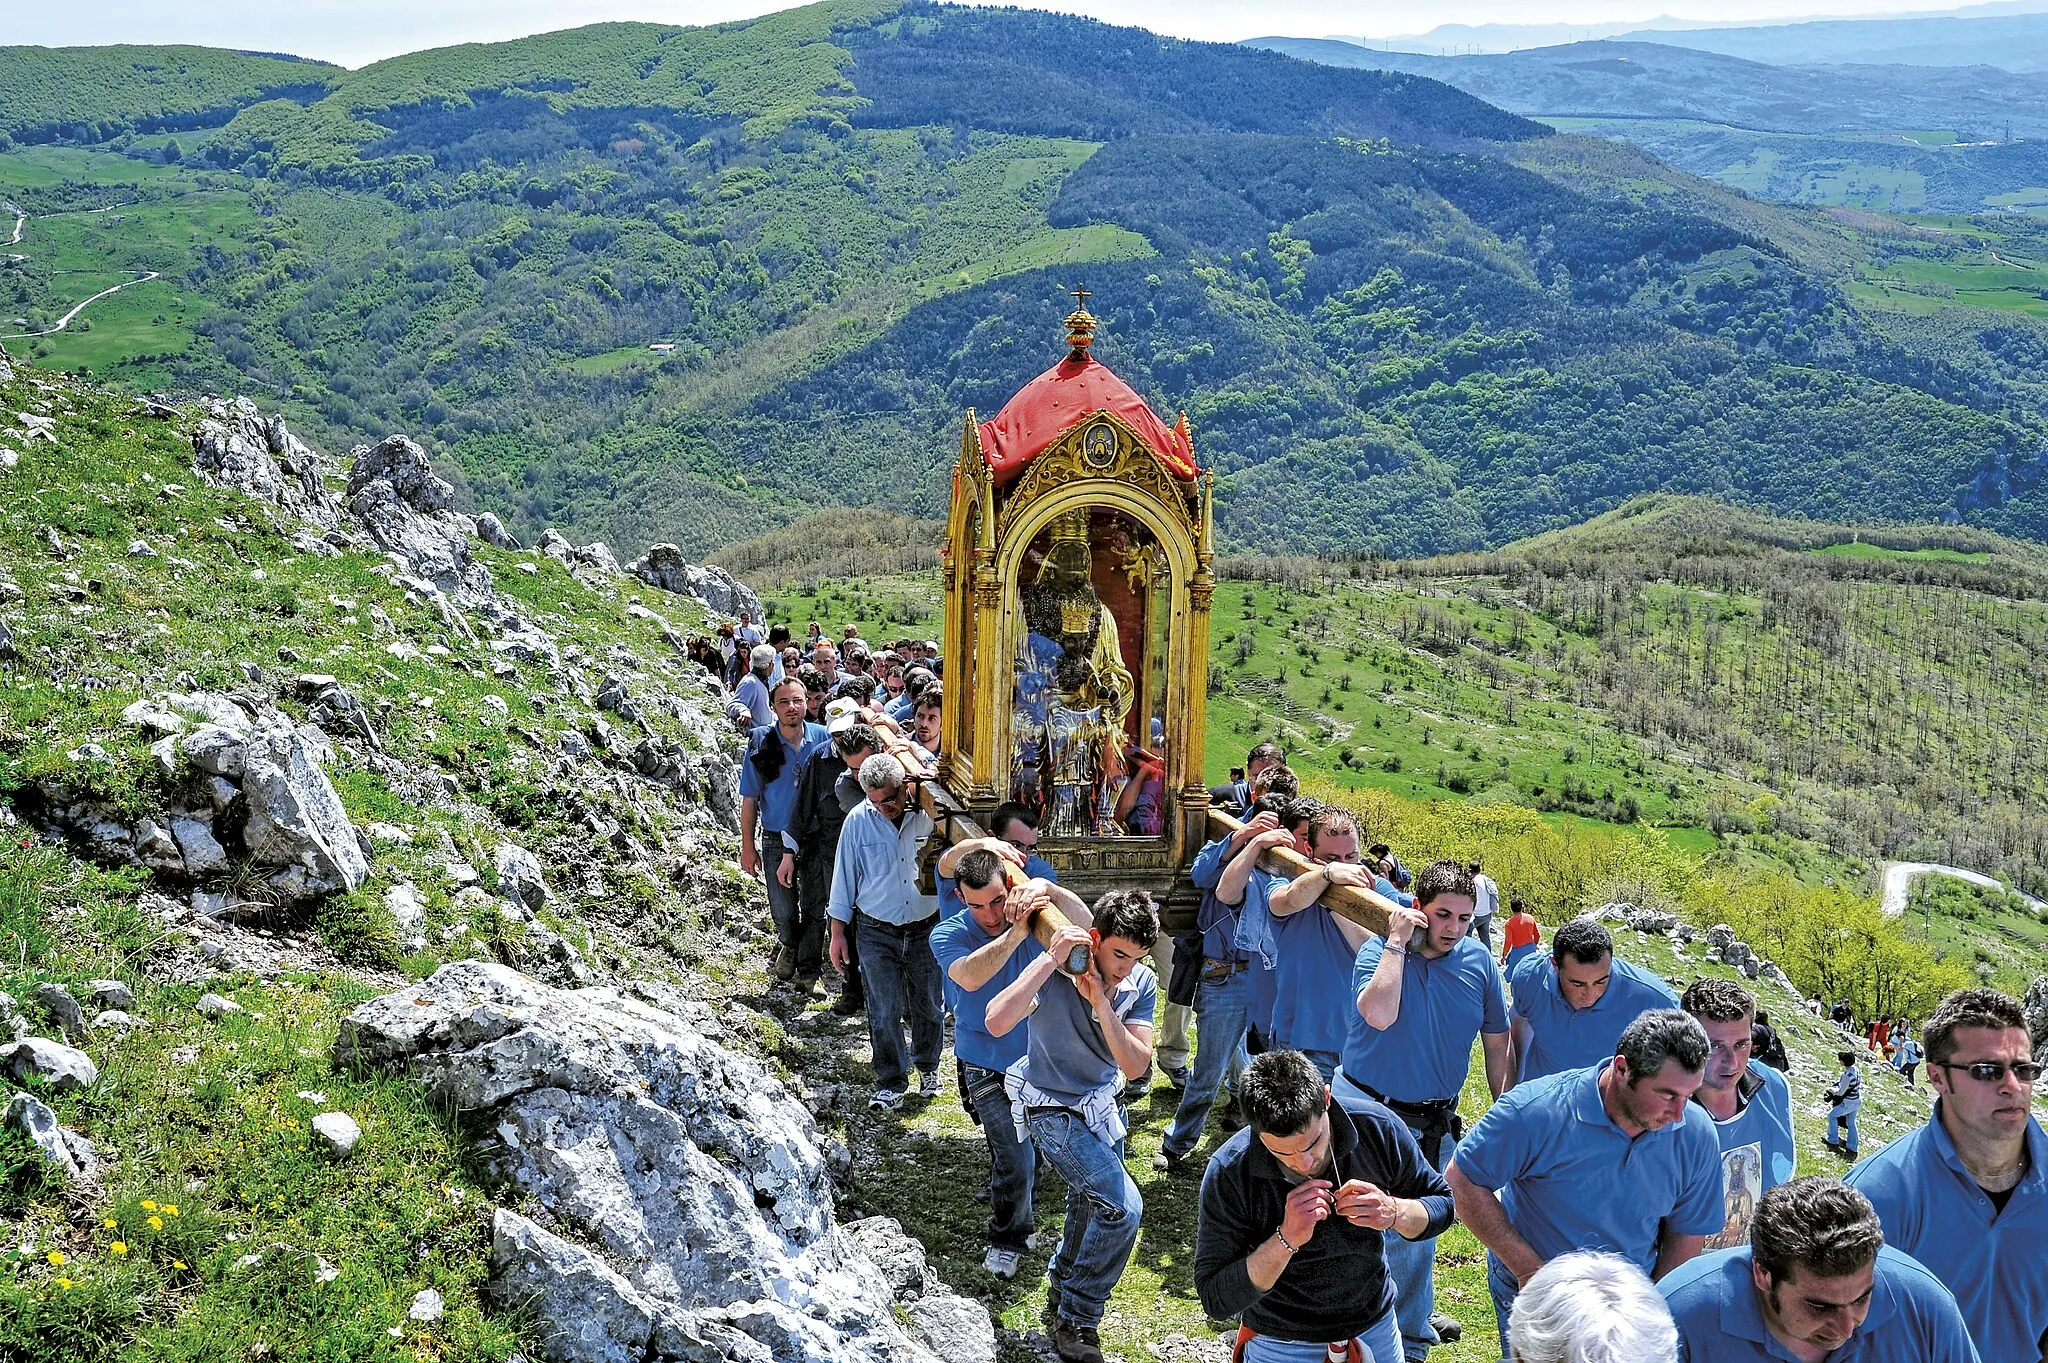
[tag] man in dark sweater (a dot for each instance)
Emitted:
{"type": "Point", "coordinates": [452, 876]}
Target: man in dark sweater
{"type": "Point", "coordinates": [827, 790]}
{"type": "Point", "coordinates": [1294, 1211]}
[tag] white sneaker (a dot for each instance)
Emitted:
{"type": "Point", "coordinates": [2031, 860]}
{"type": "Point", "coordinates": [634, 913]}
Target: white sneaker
{"type": "Point", "coordinates": [1002, 1262]}
{"type": "Point", "coordinates": [930, 1085]}
{"type": "Point", "coordinates": [885, 1100]}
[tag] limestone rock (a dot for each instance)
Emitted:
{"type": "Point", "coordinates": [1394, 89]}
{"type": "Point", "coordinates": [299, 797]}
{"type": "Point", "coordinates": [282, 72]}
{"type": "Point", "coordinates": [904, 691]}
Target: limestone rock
{"type": "Point", "coordinates": [691, 1173]}
{"type": "Point", "coordinates": [492, 531]}
{"type": "Point", "coordinates": [1719, 936]}
{"type": "Point", "coordinates": [955, 1328]}
{"type": "Point", "coordinates": [337, 1133]}
{"type": "Point", "coordinates": [1656, 922]}
{"type": "Point", "coordinates": [296, 821]}
{"type": "Point", "coordinates": [32, 1118]}
{"type": "Point", "coordinates": [216, 1005]}
{"type": "Point", "coordinates": [664, 566]}
{"type": "Point", "coordinates": [427, 1307]}
{"type": "Point", "coordinates": [156, 848]}
{"type": "Point", "coordinates": [236, 446]}
{"type": "Point", "coordinates": [56, 1000]}
{"type": "Point", "coordinates": [900, 1257]}
{"type": "Point", "coordinates": [64, 1068]}
{"type": "Point", "coordinates": [2036, 1007]}
{"type": "Point", "coordinates": [519, 876]}
{"type": "Point", "coordinates": [408, 510]}
{"type": "Point", "coordinates": [110, 994]}
{"type": "Point", "coordinates": [597, 554]}
{"type": "Point", "coordinates": [203, 854]}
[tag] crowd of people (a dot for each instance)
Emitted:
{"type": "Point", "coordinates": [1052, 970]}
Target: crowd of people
{"type": "Point", "coordinates": [1634, 1181]}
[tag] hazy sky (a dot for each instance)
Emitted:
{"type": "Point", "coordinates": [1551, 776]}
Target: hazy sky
{"type": "Point", "coordinates": [353, 32]}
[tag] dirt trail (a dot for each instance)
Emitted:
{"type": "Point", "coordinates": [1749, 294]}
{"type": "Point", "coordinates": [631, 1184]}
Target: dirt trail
{"type": "Point", "coordinates": [21, 225]}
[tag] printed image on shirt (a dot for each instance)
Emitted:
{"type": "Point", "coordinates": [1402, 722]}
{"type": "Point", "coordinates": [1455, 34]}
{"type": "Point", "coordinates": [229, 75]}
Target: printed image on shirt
{"type": "Point", "coordinates": [1742, 1184]}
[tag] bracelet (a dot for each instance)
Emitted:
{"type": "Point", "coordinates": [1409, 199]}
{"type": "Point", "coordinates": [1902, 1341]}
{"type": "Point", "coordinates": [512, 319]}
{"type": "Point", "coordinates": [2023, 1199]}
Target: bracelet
{"type": "Point", "coordinates": [1281, 1236]}
{"type": "Point", "coordinates": [1398, 951]}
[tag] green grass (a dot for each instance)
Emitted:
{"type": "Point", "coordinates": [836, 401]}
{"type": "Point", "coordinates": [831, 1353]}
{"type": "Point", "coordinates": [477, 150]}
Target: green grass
{"type": "Point", "coordinates": [1859, 549]}
{"type": "Point", "coordinates": [616, 361]}
{"type": "Point", "coordinates": [2001, 938]}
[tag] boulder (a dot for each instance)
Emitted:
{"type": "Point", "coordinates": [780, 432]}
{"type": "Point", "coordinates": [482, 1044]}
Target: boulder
{"type": "Point", "coordinates": [519, 876]}
{"type": "Point", "coordinates": [216, 1006]}
{"type": "Point", "coordinates": [664, 566]}
{"type": "Point", "coordinates": [597, 554]}
{"type": "Point", "coordinates": [63, 1068]}
{"type": "Point", "coordinates": [427, 1307]}
{"type": "Point", "coordinates": [236, 446]}
{"type": "Point", "coordinates": [56, 1000]}
{"type": "Point", "coordinates": [203, 854]}
{"type": "Point", "coordinates": [492, 531]}
{"type": "Point", "coordinates": [110, 994]}
{"type": "Point", "coordinates": [691, 1176]}
{"type": "Point", "coordinates": [1654, 921]}
{"type": "Point", "coordinates": [295, 819]}
{"type": "Point", "coordinates": [1719, 936]}
{"type": "Point", "coordinates": [898, 1255]}
{"type": "Point", "coordinates": [955, 1328]}
{"type": "Point", "coordinates": [408, 510]}
{"type": "Point", "coordinates": [2036, 1007]}
{"type": "Point", "coordinates": [33, 1118]}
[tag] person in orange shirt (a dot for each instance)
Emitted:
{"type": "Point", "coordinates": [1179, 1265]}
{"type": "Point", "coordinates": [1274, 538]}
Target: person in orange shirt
{"type": "Point", "coordinates": [1520, 936]}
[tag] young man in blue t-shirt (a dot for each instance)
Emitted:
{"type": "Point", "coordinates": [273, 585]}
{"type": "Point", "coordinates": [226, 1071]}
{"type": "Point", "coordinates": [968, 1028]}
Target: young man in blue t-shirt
{"type": "Point", "coordinates": [1421, 996]}
{"type": "Point", "coordinates": [1750, 1102]}
{"type": "Point", "coordinates": [1569, 1006]}
{"type": "Point", "coordinates": [982, 950]}
{"type": "Point", "coordinates": [1315, 947]}
{"type": "Point", "coordinates": [1816, 1282]}
{"type": "Point", "coordinates": [1090, 1033]}
{"type": "Point", "coordinates": [768, 779]}
{"type": "Point", "coordinates": [1967, 1194]}
{"type": "Point", "coordinates": [1616, 1157]}
{"type": "Point", "coordinates": [1011, 828]}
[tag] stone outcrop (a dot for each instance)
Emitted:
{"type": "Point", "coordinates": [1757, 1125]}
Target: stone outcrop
{"type": "Point", "coordinates": [70, 1155]}
{"type": "Point", "coordinates": [676, 1204]}
{"type": "Point", "coordinates": [409, 511]}
{"type": "Point", "coordinates": [2036, 1006]}
{"type": "Point", "coordinates": [664, 566]}
{"type": "Point", "coordinates": [237, 446]}
{"type": "Point", "coordinates": [492, 531]}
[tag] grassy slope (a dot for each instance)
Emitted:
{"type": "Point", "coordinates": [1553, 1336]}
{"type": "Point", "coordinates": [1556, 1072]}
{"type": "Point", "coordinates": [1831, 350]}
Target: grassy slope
{"type": "Point", "coordinates": [203, 1115]}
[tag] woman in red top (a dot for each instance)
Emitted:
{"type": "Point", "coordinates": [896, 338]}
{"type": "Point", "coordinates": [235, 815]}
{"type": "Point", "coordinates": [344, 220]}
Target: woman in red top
{"type": "Point", "coordinates": [1520, 937]}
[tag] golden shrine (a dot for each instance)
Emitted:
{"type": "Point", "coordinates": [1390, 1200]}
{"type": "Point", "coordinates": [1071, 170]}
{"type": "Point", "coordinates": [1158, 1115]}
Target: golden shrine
{"type": "Point", "coordinates": [1077, 591]}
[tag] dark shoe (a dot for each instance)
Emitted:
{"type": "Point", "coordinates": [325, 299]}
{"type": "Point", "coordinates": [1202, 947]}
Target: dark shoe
{"type": "Point", "coordinates": [1166, 1162]}
{"type": "Point", "coordinates": [848, 1004]}
{"type": "Point", "coordinates": [784, 969]}
{"type": "Point", "coordinates": [1449, 1329]}
{"type": "Point", "coordinates": [1177, 1077]}
{"type": "Point", "coordinates": [1076, 1343]}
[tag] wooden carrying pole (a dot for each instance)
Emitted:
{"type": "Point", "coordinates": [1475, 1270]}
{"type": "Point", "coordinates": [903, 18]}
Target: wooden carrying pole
{"type": "Point", "coordinates": [959, 827]}
{"type": "Point", "coordinates": [1369, 909]}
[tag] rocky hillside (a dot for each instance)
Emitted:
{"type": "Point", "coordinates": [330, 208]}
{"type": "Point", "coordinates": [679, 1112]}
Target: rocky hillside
{"type": "Point", "coordinates": [374, 956]}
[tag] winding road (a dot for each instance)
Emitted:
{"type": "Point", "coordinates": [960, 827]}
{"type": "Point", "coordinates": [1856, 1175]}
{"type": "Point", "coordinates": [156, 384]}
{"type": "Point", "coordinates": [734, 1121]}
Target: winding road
{"type": "Point", "coordinates": [21, 225]}
{"type": "Point", "coordinates": [1899, 877]}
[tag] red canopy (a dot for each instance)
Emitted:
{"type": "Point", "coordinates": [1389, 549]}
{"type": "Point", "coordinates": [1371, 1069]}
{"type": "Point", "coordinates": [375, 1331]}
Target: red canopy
{"type": "Point", "coordinates": [1060, 399]}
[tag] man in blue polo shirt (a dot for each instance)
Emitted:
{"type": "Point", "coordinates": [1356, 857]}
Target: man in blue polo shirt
{"type": "Point", "coordinates": [768, 779]}
{"type": "Point", "coordinates": [1569, 1006]}
{"type": "Point", "coordinates": [1010, 828]}
{"type": "Point", "coordinates": [1817, 1284]}
{"type": "Point", "coordinates": [1421, 995]}
{"type": "Point", "coordinates": [1616, 1157]}
{"type": "Point", "coordinates": [982, 951]}
{"type": "Point", "coordinates": [1315, 948]}
{"type": "Point", "coordinates": [1750, 1102]}
{"type": "Point", "coordinates": [1967, 1194]}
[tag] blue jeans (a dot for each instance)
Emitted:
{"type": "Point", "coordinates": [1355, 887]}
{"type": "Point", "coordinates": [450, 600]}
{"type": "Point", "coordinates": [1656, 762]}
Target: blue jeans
{"type": "Point", "coordinates": [1847, 1121]}
{"type": "Point", "coordinates": [1012, 1163]}
{"type": "Point", "coordinates": [1219, 1047]}
{"type": "Point", "coordinates": [1500, 1285]}
{"type": "Point", "coordinates": [1412, 1266]}
{"type": "Point", "coordinates": [902, 981]}
{"type": "Point", "coordinates": [1103, 1208]}
{"type": "Point", "coordinates": [1382, 1343]}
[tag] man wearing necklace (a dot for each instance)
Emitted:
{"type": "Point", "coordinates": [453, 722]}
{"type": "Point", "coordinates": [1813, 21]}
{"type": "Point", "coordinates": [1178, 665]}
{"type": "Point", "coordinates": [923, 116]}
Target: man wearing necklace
{"type": "Point", "coordinates": [1967, 1194]}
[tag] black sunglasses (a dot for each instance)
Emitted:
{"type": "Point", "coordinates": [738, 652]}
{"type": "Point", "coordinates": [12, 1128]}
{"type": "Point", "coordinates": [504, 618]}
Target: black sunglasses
{"type": "Point", "coordinates": [1992, 1071]}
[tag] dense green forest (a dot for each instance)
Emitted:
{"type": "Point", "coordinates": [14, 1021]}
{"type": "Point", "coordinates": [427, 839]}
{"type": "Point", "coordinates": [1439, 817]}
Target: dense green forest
{"type": "Point", "coordinates": [1401, 320]}
{"type": "Point", "coordinates": [94, 94]}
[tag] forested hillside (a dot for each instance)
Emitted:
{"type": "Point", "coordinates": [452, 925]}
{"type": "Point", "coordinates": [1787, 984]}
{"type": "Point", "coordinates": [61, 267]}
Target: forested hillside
{"type": "Point", "coordinates": [848, 223]}
{"type": "Point", "coordinates": [93, 94]}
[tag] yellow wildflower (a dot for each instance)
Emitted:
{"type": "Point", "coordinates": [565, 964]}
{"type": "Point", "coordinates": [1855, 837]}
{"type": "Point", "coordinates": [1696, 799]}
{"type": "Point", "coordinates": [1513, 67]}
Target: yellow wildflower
{"type": "Point", "coordinates": [119, 1247]}
{"type": "Point", "coordinates": [147, 1205]}
{"type": "Point", "coordinates": [56, 1258]}
{"type": "Point", "coordinates": [169, 1209]}
{"type": "Point", "coordinates": [155, 1223]}
{"type": "Point", "coordinates": [110, 1223]}
{"type": "Point", "coordinates": [64, 1283]}
{"type": "Point", "coordinates": [178, 1264]}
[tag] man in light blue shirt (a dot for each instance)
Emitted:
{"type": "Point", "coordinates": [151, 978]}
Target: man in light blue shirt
{"type": "Point", "coordinates": [1616, 1157]}
{"type": "Point", "coordinates": [768, 780]}
{"type": "Point", "coordinates": [1570, 1006]}
{"type": "Point", "coordinates": [752, 692]}
{"type": "Point", "coordinates": [1750, 1102]}
{"type": "Point", "coordinates": [982, 950]}
{"type": "Point", "coordinates": [1421, 996]}
{"type": "Point", "coordinates": [1315, 947]}
{"type": "Point", "coordinates": [1817, 1284]}
{"type": "Point", "coordinates": [1967, 1194]}
{"type": "Point", "coordinates": [875, 894]}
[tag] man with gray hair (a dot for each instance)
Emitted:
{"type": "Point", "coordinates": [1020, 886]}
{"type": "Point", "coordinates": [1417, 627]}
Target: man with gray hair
{"type": "Point", "coordinates": [1613, 1157]}
{"type": "Point", "coordinates": [752, 691]}
{"type": "Point", "coordinates": [1587, 1307]}
{"type": "Point", "coordinates": [1817, 1282]}
{"type": "Point", "coordinates": [875, 897]}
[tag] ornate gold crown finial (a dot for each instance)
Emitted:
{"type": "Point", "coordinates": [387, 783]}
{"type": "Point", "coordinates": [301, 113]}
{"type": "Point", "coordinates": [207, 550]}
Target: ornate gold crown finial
{"type": "Point", "coordinates": [1080, 324]}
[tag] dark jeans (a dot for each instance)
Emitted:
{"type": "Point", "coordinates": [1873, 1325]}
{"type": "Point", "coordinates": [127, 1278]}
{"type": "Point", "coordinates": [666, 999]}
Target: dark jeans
{"type": "Point", "coordinates": [797, 922]}
{"type": "Point", "coordinates": [1219, 1050]}
{"type": "Point", "coordinates": [1103, 1210]}
{"type": "Point", "coordinates": [902, 979]}
{"type": "Point", "coordinates": [1012, 1163]}
{"type": "Point", "coordinates": [1482, 928]}
{"type": "Point", "coordinates": [813, 893]}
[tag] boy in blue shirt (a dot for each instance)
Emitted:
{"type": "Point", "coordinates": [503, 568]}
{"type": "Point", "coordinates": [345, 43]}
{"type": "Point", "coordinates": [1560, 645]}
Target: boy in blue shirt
{"type": "Point", "coordinates": [1617, 1157]}
{"type": "Point", "coordinates": [1569, 1006]}
{"type": "Point", "coordinates": [1421, 996]}
{"type": "Point", "coordinates": [768, 778]}
{"type": "Point", "coordinates": [1967, 1194]}
{"type": "Point", "coordinates": [1750, 1102]}
{"type": "Point", "coordinates": [1090, 1033]}
{"type": "Point", "coordinates": [1816, 1284]}
{"type": "Point", "coordinates": [982, 950]}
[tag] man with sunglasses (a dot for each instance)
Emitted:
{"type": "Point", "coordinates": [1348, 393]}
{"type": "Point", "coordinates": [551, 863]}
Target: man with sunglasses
{"type": "Point", "coordinates": [1967, 1194]}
